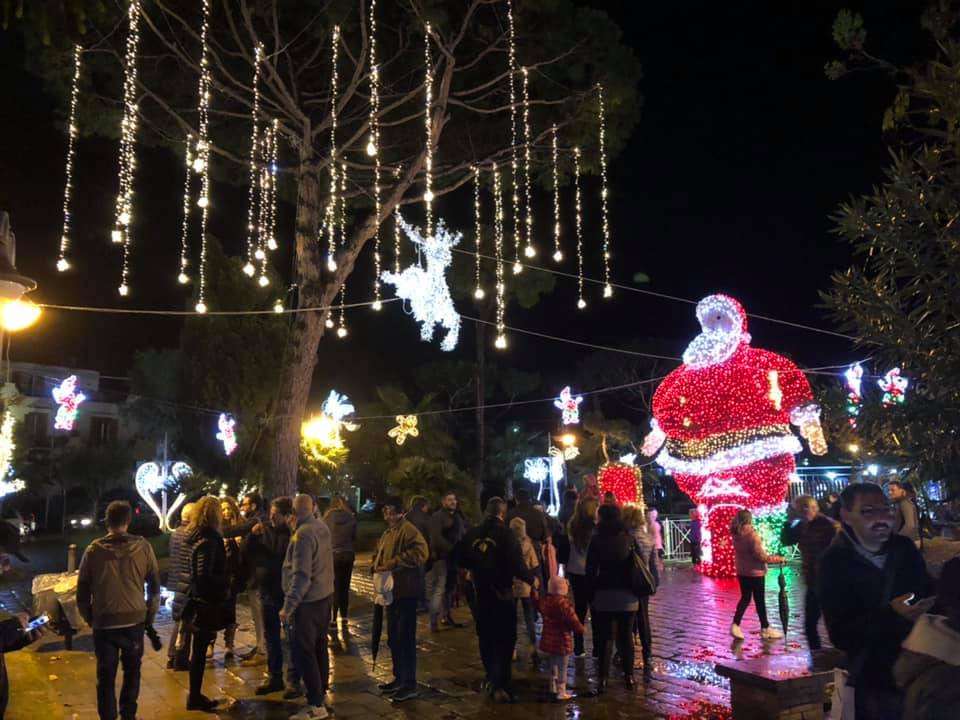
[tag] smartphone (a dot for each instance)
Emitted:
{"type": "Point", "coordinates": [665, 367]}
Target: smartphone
{"type": "Point", "coordinates": [37, 622]}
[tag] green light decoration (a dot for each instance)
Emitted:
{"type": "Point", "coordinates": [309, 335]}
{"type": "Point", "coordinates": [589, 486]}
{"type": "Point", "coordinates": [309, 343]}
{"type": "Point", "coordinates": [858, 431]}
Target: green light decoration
{"type": "Point", "coordinates": [768, 526]}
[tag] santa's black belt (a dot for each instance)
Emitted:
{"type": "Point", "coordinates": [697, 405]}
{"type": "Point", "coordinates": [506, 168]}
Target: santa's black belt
{"type": "Point", "coordinates": [709, 446]}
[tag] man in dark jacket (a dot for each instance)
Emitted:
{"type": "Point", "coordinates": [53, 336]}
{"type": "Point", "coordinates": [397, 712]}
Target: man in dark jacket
{"type": "Point", "coordinates": [113, 572]}
{"type": "Point", "coordinates": [251, 507]}
{"type": "Point", "coordinates": [418, 515]}
{"type": "Point", "coordinates": [867, 579]}
{"type": "Point", "coordinates": [402, 551]}
{"type": "Point", "coordinates": [492, 555]}
{"type": "Point", "coordinates": [812, 532]}
{"type": "Point", "coordinates": [178, 582]}
{"type": "Point", "coordinates": [536, 521]}
{"type": "Point", "coordinates": [13, 636]}
{"type": "Point", "coordinates": [446, 529]}
{"type": "Point", "coordinates": [263, 552]}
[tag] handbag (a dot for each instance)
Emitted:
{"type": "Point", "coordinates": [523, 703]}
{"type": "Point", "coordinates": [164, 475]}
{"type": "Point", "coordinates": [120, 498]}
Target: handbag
{"type": "Point", "coordinates": [642, 581]}
{"type": "Point", "coordinates": [204, 615]}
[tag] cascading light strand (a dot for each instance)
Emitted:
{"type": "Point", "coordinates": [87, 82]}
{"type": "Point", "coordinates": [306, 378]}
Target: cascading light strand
{"type": "Point", "coordinates": [128, 143]}
{"type": "Point", "coordinates": [182, 277]}
{"type": "Point", "coordinates": [373, 150]}
{"type": "Point", "coordinates": [273, 169]}
{"type": "Point", "coordinates": [530, 250]}
{"type": "Point", "coordinates": [501, 341]}
{"type": "Point", "coordinates": [267, 198]}
{"type": "Point", "coordinates": [604, 185]}
{"type": "Point", "coordinates": [514, 196]}
{"type": "Point", "coordinates": [203, 153]}
{"type": "Point", "coordinates": [63, 264]}
{"type": "Point", "coordinates": [332, 205]}
{"type": "Point", "coordinates": [477, 232]}
{"type": "Point", "coordinates": [557, 252]}
{"type": "Point", "coordinates": [428, 126]}
{"type": "Point", "coordinates": [342, 216]}
{"type": "Point", "coordinates": [253, 195]}
{"type": "Point", "coordinates": [578, 226]}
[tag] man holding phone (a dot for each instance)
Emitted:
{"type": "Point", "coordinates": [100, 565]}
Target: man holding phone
{"type": "Point", "coordinates": [14, 634]}
{"type": "Point", "coordinates": [110, 598]}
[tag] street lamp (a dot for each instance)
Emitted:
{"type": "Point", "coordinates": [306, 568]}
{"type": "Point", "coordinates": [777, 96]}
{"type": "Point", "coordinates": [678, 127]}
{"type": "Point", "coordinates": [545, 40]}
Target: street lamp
{"type": "Point", "coordinates": [15, 313]}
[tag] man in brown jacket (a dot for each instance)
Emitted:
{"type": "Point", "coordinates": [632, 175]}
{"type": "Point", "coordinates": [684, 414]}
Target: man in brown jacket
{"type": "Point", "coordinates": [110, 598]}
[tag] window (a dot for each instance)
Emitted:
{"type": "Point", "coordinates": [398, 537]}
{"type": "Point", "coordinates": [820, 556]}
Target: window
{"type": "Point", "coordinates": [37, 425]}
{"type": "Point", "coordinates": [103, 431]}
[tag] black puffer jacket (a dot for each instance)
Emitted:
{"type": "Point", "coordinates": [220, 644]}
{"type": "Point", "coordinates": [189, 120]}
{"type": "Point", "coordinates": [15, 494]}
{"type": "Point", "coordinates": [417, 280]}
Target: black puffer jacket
{"type": "Point", "coordinates": [11, 638]}
{"type": "Point", "coordinates": [178, 573]}
{"type": "Point", "coordinates": [209, 583]}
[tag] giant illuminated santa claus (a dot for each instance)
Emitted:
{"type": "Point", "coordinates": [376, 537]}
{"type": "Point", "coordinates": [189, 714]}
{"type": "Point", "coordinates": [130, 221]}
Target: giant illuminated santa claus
{"type": "Point", "coordinates": [721, 425]}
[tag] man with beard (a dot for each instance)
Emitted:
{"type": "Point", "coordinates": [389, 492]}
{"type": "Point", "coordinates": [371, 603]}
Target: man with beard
{"type": "Point", "coordinates": [872, 585]}
{"type": "Point", "coordinates": [446, 529]}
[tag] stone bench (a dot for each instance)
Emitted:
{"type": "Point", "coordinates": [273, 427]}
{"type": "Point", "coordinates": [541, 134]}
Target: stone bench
{"type": "Point", "coordinates": [776, 687]}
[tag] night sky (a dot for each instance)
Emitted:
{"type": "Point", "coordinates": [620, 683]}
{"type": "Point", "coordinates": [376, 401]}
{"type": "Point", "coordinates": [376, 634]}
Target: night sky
{"type": "Point", "coordinates": [743, 150]}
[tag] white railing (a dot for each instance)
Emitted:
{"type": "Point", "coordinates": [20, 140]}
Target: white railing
{"type": "Point", "coordinates": [676, 538]}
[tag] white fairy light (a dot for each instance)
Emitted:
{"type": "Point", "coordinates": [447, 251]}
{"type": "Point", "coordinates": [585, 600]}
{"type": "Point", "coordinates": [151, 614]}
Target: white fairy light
{"type": "Point", "coordinates": [128, 140]}
{"type": "Point", "coordinates": [7, 444]}
{"type": "Point", "coordinates": [203, 150]}
{"type": "Point", "coordinates": [501, 342]}
{"type": "Point", "coordinates": [373, 150]}
{"type": "Point", "coordinates": [278, 306]}
{"type": "Point", "coordinates": [514, 197]}
{"type": "Point", "coordinates": [426, 289]}
{"type": "Point", "coordinates": [557, 253]}
{"type": "Point", "coordinates": [428, 126]}
{"type": "Point", "coordinates": [530, 250]}
{"type": "Point", "coordinates": [605, 222]}
{"type": "Point", "coordinates": [478, 291]}
{"type": "Point", "coordinates": [182, 277]}
{"type": "Point", "coordinates": [342, 324]}
{"type": "Point", "coordinates": [272, 170]}
{"type": "Point", "coordinates": [331, 213]}
{"type": "Point", "coordinates": [62, 263]}
{"type": "Point", "coordinates": [252, 194]}
{"type": "Point", "coordinates": [267, 219]}
{"type": "Point", "coordinates": [578, 225]}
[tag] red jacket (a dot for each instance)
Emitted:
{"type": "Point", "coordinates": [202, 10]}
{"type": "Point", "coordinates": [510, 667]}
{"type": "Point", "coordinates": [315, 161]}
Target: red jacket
{"type": "Point", "coordinates": [559, 620]}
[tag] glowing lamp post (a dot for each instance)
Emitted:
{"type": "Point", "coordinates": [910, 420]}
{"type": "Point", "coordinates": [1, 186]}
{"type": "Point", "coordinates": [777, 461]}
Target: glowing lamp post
{"type": "Point", "coordinates": [15, 313]}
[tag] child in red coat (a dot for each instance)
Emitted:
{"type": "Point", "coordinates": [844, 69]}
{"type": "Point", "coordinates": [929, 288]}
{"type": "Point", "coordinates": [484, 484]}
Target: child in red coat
{"type": "Point", "coordinates": [556, 641]}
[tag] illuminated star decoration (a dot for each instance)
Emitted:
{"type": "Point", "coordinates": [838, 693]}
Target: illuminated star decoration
{"type": "Point", "coordinates": [67, 397]}
{"type": "Point", "coordinates": [227, 434]}
{"type": "Point", "coordinates": [152, 477]}
{"type": "Point", "coordinates": [406, 427]}
{"type": "Point", "coordinates": [426, 289]}
{"type": "Point", "coordinates": [854, 378]}
{"type": "Point", "coordinates": [569, 406]}
{"type": "Point", "coordinates": [894, 387]}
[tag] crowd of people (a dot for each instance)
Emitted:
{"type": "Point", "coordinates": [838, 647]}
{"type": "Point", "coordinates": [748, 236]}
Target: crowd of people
{"type": "Point", "coordinates": [593, 567]}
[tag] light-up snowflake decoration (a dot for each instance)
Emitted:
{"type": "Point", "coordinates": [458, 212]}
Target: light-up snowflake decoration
{"type": "Point", "coordinates": [569, 405]}
{"type": "Point", "coordinates": [153, 477]}
{"type": "Point", "coordinates": [227, 434]}
{"type": "Point", "coordinates": [406, 427]}
{"type": "Point", "coordinates": [426, 289]}
{"type": "Point", "coordinates": [894, 387]}
{"type": "Point", "coordinates": [67, 397]}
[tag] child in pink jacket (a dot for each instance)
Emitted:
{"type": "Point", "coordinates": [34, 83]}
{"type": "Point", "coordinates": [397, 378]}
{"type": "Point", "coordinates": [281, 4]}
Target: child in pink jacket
{"type": "Point", "coordinates": [751, 562]}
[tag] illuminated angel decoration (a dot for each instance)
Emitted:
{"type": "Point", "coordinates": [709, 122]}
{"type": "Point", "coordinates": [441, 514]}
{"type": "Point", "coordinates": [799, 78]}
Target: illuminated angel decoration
{"type": "Point", "coordinates": [894, 387]}
{"type": "Point", "coordinates": [227, 434]}
{"type": "Point", "coordinates": [67, 397]}
{"type": "Point", "coordinates": [569, 405]}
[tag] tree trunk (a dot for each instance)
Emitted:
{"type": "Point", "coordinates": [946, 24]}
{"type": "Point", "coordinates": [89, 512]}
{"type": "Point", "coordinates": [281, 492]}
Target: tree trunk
{"type": "Point", "coordinates": [481, 339]}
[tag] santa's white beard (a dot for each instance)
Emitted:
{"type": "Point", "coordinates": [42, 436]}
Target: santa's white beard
{"type": "Point", "coordinates": [710, 347]}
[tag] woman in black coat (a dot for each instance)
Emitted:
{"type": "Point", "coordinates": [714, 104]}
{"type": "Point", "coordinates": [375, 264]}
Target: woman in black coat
{"type": "Point", "coordinates": [208, 608]}
{"type": "Point", "coordinates": [613, 606]}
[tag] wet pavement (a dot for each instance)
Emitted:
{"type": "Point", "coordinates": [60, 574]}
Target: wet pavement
{"type": "Point", "coordinates": [690, 617]}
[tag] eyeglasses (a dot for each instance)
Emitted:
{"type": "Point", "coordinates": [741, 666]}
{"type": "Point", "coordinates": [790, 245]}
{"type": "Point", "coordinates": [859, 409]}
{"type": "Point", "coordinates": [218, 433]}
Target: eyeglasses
{"type": "Point", "coordinates": [877, 511]}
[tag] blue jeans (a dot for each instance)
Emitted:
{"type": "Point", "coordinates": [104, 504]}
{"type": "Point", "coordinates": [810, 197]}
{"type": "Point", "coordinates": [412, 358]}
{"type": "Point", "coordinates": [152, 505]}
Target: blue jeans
{"type": "Point", "coordinates": [437, 590]}
{"type": "Point", "coordinates": [118, 646]}
{"type": "Point", "coordinates": [278, 648]}
{"type": "Point", "coordinates": [310, 653]}
{"type": "Point", "coordinates": [402, 639]}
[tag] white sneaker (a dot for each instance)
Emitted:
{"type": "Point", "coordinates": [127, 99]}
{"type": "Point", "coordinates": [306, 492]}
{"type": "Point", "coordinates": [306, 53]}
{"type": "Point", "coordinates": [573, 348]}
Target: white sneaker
{"type": "Point", "coordinates": [736, 631]}
{"type": "Point", "coordinates": [311, 712]}
{"type": "Point", "coordinates": [770, 634]}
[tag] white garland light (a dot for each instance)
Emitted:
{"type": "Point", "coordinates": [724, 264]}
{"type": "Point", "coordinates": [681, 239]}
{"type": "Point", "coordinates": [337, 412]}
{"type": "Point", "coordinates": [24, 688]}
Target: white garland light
{"type": "Point", "coordinates": [128, 143]}
{"type": "Point", "coordinates": [203, 152]}
{"type": "Point", "coordinates": [182, 277]}
{"type": "Point", "coordinates": [267, 219]}
{"type": "Point", "coordinates": [515, 196]}
{"type": "Point", "coordinates": [605, 221]}
{"type": "Point", "coordinates": [557, 253]}
{"type": "Point", "coordinates": [63, 264]}
{"type": "Point", "coordinates": [578, 225]}
{"type": "Point", "coordinates": [253, 197]}
{"type": "Point", "coordinates": [332, 205]}
{"type": "Point", "coordinates": [426, 289]}
{"type": "Point", "coordinates": [530, 250]}
{"type": "Point", "coordinates": [373, 150]}
{"type": "Point", "coordinates": [342, 327]}
{"type": "Point", "coordinates": [477, 230]}
{"type": "Point", "coordinates": [501, 342]}
{"type": "Point", "coordinates": [428, 125]}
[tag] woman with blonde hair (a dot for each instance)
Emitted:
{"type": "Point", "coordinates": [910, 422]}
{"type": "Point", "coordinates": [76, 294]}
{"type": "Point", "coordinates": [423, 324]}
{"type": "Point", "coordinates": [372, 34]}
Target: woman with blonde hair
{"type": "Point", "coordinates": [635, 523]}
{"type": "Point", "coordinates": [207, 609]}
{"type": "Point", "coordinates": [580, 531]}
{"type": "Point", "coordinates": [751, 562]}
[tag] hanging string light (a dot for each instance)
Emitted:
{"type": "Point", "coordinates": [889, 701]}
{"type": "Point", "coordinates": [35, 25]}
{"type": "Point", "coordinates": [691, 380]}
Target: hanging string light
{"type": "Point", "coordinates": [373, 150]}
{"type": "Point", "coordinates": [515, 197]}
{"type": "Point", "coordinates": [342, 327]}
{"type": "Point", "coordinates": [266, 213]}
{"type": "Point", "coordinates": [252, 194]}
{"type": "Point", "coordinates": [557, 253]}
{"type": "Point", "coordinates": [128, 142]}
{"type": "Point", "coordinates": [478, 291]}
{"type": "Point", "coordinates": [428, 124]}
{"type": "Point", "coordinates": [605, 223]}
{"type": "Point", "coordinates": [62, 263]}
{"type": "Point", "coordinates": [183, 278]}
{"type": "Point", "coordinates": [396, 230]}
{"type": "Point", "coordinates": [272, 170]}
{"type": "Point", "coordinates": [501, 342]}
{"type": "Point", "coordinates": [203, 153]}
{"type": "Point", "coordinates": [530, 249]}
{"type": "Point", "coordinates": [331, 219]}
{"type": "Point", "coordinates": [578, 224]}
